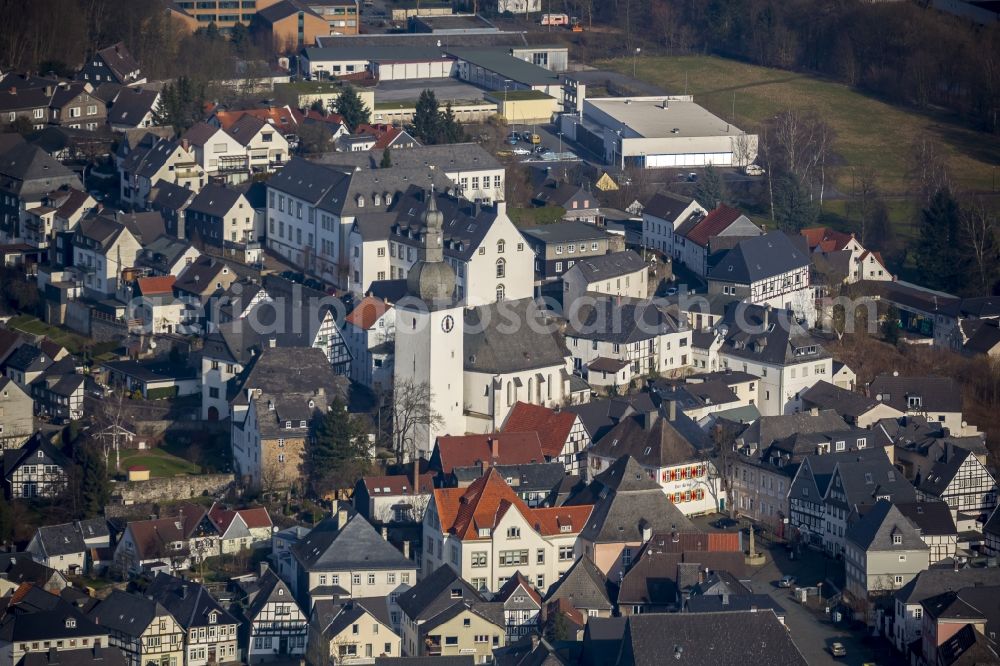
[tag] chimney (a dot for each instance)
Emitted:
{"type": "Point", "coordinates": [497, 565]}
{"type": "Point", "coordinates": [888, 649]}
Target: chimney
{"type": "Point", "coordinates": [186, 145]}
{"type": "Point", "coordinates": [13, 90]}
{"type": "Point", "coordinates": [672, 410]}
{"type": "Point", "coordinates": [341, 516]}
{"type": "Point", "coordinates": [184, 591]}
{"type": "Point", "coordinates": [385, 533]}
{"type": "Point", "coordinates": [814, 411]}
{"type": "Point", "coordinates": [494, 449]}
{"type": "Point", "coordinates": [406, 549]}
{"type": "Point", "coordinates": [263, 567]}
{"type": "Point", "coordinates": [649, 419]}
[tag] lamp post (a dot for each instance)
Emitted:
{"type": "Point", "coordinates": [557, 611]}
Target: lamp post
{"type": "Point", "coordinates": [634, 56]}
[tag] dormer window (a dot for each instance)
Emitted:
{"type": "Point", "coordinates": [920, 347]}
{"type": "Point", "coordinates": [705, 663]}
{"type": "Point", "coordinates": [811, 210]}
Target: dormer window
{"type": "Point", "coordinates": [361, 201]}
{"type": "Point", "coordinates": [70, 623]}
{"type": "Point", "coordinates": [288, 424]}
{"type": "Point", "coordinates": [897, 539]}
{"type": "Point", "coordinates": [213, 618]}
{"type": "Point", "coordinates": [913, 401]}
{"type": "Point", "coordinates": [456, 593]}
{"type": "Point", "coordinates": [377, 200]}
{"type": "Point", "coordinates": [41, 455]}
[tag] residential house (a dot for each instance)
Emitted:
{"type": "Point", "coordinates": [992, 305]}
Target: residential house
{"type": "Point", "coordinates": [343, 556]}
{"type": "Point", "coordinates": [521, 606]}
{"type": "Point", "coordinates": [26, 364]}
{"type": "Point", "coordinates": [222, 217]}
{"type": "Point", "coordinates": [266, 147]}
{"type": "Point", "coordinates": [704, 638]}
{"type": "Point", "coordinates": [561, 433]}
{"type": "Point", "coordinates": [61, 547]}
{"type": "Point", "coordinates": [17, 421]}
{"type": "Point", "coordinates": [240, 529]}
{"type": "Point", "coordinates": [699, 400]}
{"type": "Point", "coordinates": [59, 392]}
{"type": "Point", "coordinates": [954, 621]}
{"type": "Point", "coordinates": [36, 623]}
{"type": "Point", "coordinates": [614, 342]}
{"type": "Point", "coordinates": [59, 212]}
{"type": "Point", "coordinates": [935, 526]}
{"type": "Point", "coordinates": [532, 649]}
{"type": "Point", "coordinates": [210, 632]}
{"type": "Point", "coordinates": [141, 628]}
{"type": "Point", "coordinates": [772, 269]}
{"type": "Point", "coordinates": [701, 240]}
{"type": "Point", "coordinates": [629, 507]}
{"type": "Point", "coordinates": [537, 484]}
{"type": "Point", "coordinates": [112, 64]}
{"type": "Point", "coordinates": [167, 543]}
{"type": "Point", "coordinates": [370, 333]}
{"type": "Point", "coordinates": [37, 469]}
{"type": "Point", "coordinates": [73, 106]}
{"type": "Point", "coordinates": [393, 499]}
{"type": "Point", "coordinates": [991, 533]}
{"type": "Point", "coordinates": [102, 249]}
{"type": "Point", "coordinates": [275, 626]}
{"type": "Point", "coordinates": [935, 398]}
{"type": "Point", "coordinates": [557, 247]}
{"type": "Point", "coordinates": [20, 568]}
{"type": "Point", "coordinates": [860, 264]}
{"type": "Point", "coordinates": [622, 274]}
{"type": "Point", "coordinates": [959, 479]}
{"type": "Point", "coordinates": [286, 118]}
{"type": "Point", "coordinates": [883, 551]}
{"type": "Point", "coordinates": [672, 450]}
{"type": "Point", "coordinates": [166, 255]}
{"type": "Point", "coordinates": [27, 175]}
{"type": "Point", "coordinates": [857, 409]}
{"type": "Point", "coordinates": [664, 213]}
{"type": "Point", "coordinates": [218, 152]}
{"type": "Point", "coordinates": [580, 204]}
{"type": "Point", "coordinates": [583, 588]}
{"type": "Point", "coordinates": [355, 631]}
{"type": "Point", "coordinates": [444, 616]}
{"type": "Point", "coordinates": [456, 452]}
{"type": "Point", "coordinates": [31, 104]}
{"type": "Point", "coordinates": [272, 414]}
{"type": "Point", "coordinates": [486, 533]}
{"type": "Point", "coordinates": [166, 160]}
{"type": "Point", "coordinates": [155, 309]}
{"type": "Point", "coordinates": [133, 108]}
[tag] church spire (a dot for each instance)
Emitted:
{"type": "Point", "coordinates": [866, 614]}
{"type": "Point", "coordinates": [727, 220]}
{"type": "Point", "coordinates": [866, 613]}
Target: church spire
{"type": "Point", "coordinates": [431, 279]}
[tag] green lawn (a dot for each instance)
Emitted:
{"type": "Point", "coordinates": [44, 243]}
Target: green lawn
{"type": "Point", "coordinates": [159, 462]}
{"type": "Point", "coordinates": [869, 132]}
{"type": "Point", "coordinates": [73, 342]}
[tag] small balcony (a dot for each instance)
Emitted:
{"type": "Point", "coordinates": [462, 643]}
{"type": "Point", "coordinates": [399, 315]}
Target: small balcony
{"type": "Point", "coordinates": [432, 646]}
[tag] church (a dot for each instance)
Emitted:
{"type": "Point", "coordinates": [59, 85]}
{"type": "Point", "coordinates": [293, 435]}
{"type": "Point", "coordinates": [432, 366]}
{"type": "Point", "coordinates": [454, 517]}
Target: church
{"type": "Point", "coordinates": [477, 361]}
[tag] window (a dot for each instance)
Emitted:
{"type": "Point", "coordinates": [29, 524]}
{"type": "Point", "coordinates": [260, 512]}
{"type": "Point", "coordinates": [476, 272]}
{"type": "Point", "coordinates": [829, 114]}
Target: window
{"type": "Point", "coordinates": [371, 579]}
{"type": "Point", "coordinates": [513, 558]}
{"type": "Point", "coordinates": [565, 553]}
{"type": "Point", "coordinates": [501, 292]}
{"type": "Point", "coordinates": [501, 267]}
{"type": "Point", "coordinates": [479, 558]}
{"type": "Point", "coordinates": [540, 556]}
{"type": "Point", "coordinates": [897, 539]}
{"type": "Point", "coordinates": [513, 532]}
{"type": "Point", "coordinates": [559, 267]}
{"type": "Point", "coordinates": [626, 557]}
{"type": "Point", "coordinates": [356, 579]}
{"type": "Point", "coordinates": [390, 578]}
{"type": "Point", "coordinates": [500, 246]}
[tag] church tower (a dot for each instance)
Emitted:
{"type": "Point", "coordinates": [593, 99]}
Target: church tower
{"type": "Point", "coordinates": [429, 336]}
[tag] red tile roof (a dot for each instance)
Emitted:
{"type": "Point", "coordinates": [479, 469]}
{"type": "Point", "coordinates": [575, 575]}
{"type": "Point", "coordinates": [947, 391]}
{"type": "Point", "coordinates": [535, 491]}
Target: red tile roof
{"type": "Point", "coordinates": [153, 536]}
{"type": "Point", "coordinates": [465, 511]}
{"type": "Point", "coordinates": [825, 239]}
{"type": "Point", "coordinates": [513, 448]}
{"type": "Point", "coordinates": [366, 313]}
{"type": "Point", "coordinates": [399, 484]}
{"type": "Point", "coordinates": [553, 427]}
{"type": "Point", "coordinates": [285, 118]}
{"type": "Point", "coordinates": [384, 134]}
{"type": "Point", "coordinates": [713, 224]}
{"type": "Point", "coordinates": [156, 285]}
{"type": "Point", "coordinates": [331, 118]}
{"type": "Point", "coordinates": [255, 517]}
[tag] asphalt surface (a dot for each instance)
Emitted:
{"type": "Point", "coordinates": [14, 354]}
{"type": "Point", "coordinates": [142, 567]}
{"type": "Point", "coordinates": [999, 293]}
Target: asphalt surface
{"type": "Point", "coordinates": [444, 90]}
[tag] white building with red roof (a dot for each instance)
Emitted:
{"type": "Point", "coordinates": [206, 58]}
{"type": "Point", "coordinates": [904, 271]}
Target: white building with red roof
{"type": "Point", "coordinates": [842, 253]}
{"type": "Point", "coordinates": [239, 529]}
{"type": "Point", "coordinates": [700, 236]}
{"type": "Point", "coordinates": [562, 434]}
{"type": "Point", "coordinates": [370, 333]}
{"type": "Point", "coordinates": [488, 534]}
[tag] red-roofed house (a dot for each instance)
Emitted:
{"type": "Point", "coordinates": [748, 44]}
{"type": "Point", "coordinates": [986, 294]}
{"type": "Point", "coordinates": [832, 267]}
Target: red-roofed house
{"type": "Point", "coordinates": [391, 499]}
{"type": "Point", "coordinates": [370, 335]}
{"type": "Point", "coordinates": [160, 313]}
{"type": "Point", "coordinates": [824, 242]}
{"type": "Point", "coordinates": [284, 118]}
{"type": "Point", "coordinates": [240, 528]}
{"type": "Point", "coordinates": [151, 286]}
{"type": "Point", "coordinates": [382, 137]}
{"type": "Point", "coordinates": [698, 237]}
{"type": "Point", "coordinates": [562, 434]}
{"type": "Point", "coordinates": [487, 533]}
{"type": "Point", "coordinates": [167, 544]}
{"type": "Point", "coordinates": [512, 448]}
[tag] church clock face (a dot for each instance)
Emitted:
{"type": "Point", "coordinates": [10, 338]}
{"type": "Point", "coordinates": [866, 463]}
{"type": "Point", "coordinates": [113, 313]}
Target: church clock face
{"type": "Point", "coordinates": [447, 324]}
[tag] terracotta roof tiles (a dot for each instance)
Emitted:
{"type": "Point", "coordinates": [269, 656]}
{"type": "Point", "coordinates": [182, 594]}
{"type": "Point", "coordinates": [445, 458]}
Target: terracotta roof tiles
{"type": "Point", "coordinates": [367, 312]}
{"type": "Point", "coordinates": [553, 428]}
{"type": "Point", "coordinates": [512, 448]}
{"type": "Point", "coordinates": [713, 224]}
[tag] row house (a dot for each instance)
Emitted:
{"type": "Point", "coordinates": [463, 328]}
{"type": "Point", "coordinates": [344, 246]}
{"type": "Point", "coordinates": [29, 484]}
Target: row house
{"type": "Point", "coordinates": [672, 450]}
{"type": "Point", "coordinates": [276, 626]}
{"type": "Point", "coordinates": [619, 274]}
{"type": "Point", "coordinates": [700, 239]}
{"type": "Point", "coordinates": [486, 533]}
{"type": "Point", "coordinates": [351, 632]}
{"type": "Point", "coordinates": [561, 433]}
{"type": "Point", "coordinates": [664, 213]}
{"type": "Point", "coordinates": [370, 334]}
{"type": "Point", "coordinates": [37, 469]}
{"type": "Point", "coordinates": [69, 547]}
{"type": "Point", "coordinates": [218, 153]}
{"type": "Point", "coordinates": [50, 102]}
{"type": "Point", "coordinates": [883, 551]}
{"type": "Point", "coordinates": [772, 269]}
{"type": "Point", "coordinates": [557, 247]}
{"type": "Point", "coordinates": [141, 628]}
{"type": "Point", "coordinates": [522, 605]}
{"type": "Point", "coordinates": [165, 160]}
{"type": "Point", "coordinates": [27, 176]}
{"type": "Point", "coordinates": [169, 543]}
{"type": "Point", "coordinates": [482, 245]}
{"type": "Point", "coordinates": [222, 217]}
{"type": "Point", "coordinates": [626, 340]}
{"type": "Point", "coordinates": [210, 632]}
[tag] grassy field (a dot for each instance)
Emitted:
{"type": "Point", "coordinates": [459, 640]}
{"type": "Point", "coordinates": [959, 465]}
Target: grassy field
{"type": "Point", "coordinates": [159, 462]}
{"type": "Point", "coordinates": [71, 341]}
{"type": "Point", "coordinates": [869, 132]}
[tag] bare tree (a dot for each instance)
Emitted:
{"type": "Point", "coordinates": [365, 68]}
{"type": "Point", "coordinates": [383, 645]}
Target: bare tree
{"type": "Point", "coordinates": [111, 416]}
{"type": "Point", "coordinates": [929, 171]}
{"type": "Point", "coordinates": [865, 196]}
{"type": "Point", "coordinates": [802, 141]}
{"type": "Point", "coordinates": [409, 411]}
{"type": "Point", "coordinates": [981, 228]}
{"type": "Point", "coordinates": [743, 149]}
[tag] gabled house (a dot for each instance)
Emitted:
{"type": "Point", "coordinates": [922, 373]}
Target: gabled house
{"type": "Point", "coordinates": [557, 247]}
{"type": "Point", "coordinates": [166, 160]}
{"type": "Point", "coordinates": [133, 108]}
{"type": "Point", "coordinates": [167, 544]}
{"type": "Point", "coordinates": [393, 499]}
{"type": "Point", "coordinates": [629, 507]}
{"type": "Point", "coordinates": [27, 364]}
{"type": "Point", "coordinates": [702, 239]}
{"type": "Point", "coordinates": [844, 253]}
{"type": "Point", "coordinates": [17, 409]}
{"type": "Point", "coordinates": [521, 606]}
{"type": "Point", "coordinates": [75, 107]}
{"type": "Point", "coordinates": [266, 147]}
{"type": "Point", "coordinates": [370, 334]}
{"type": "Point", "coordinates": [935, 526]}
{"type": "Point", "coordinates": [344, 557]}
{"type": "Point", "coordinates": [218, 153]}
{"type": "Point", "coordinates": [27, 175]}
{"type": "Point", "coordinates": [210, 632]}
{"type": "Point", "coordinates": [935, 398]}
{"type": "Point", "coordinates": [580, 204]}
{"type": "Point", "coordinates": [857, 409]}
{"type": "Point", "coordinates": [112, 64]}
{"type": "Point", "coordinates": [453, 452]}
{"type": "Point", "coordinates": [584, 588]}
{"type": "Point", "coordinates": [275, 625]}
{"type": "Point", "coordinates": [102, 249]}
{"type": "Point", "coordinates": [60, 547]}
{"type": "Point", "coordinates": [141, 628]}
{"type": "Point", "coordinates": [486, 533]}
{"type": "Point", "coordinates": [59, 392]}
{"type": "Point", "coordinates": [166, 256]}
{"type": "Point", "coordinates": [953, 621]}
{"type": "Point", "coordinates": [883, 551]}
{"type": "Point", "coordinates": [240, 529]}
{"type": "Point", "coordinates": [622, 274]}
{"type": "Point", "coordinates": [960, 480]}
{"type": "Point", "coordinates": [222, 217]}
{"type": "Point", "coordinates": [351, 632]}
{"type": "Point", "coordinates": [664, 213]}
{"type": "Point", "coordinates": [772, 269]}
{"type": "Point", "coordinates": [20, 568]}
{"type": "Point", "coordinates": [37, 469]}
{"type": "Point", "coordinates": [444, 616]}
{"type": "Point", "coordinates": [561, 433]}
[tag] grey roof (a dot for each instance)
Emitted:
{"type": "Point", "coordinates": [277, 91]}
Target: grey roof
{"type": "Point", "coordinates": [666, 205]}
{"type": "Point", "coordinates": [817, 470]}
{"type": "Point", "coordinates": [29, 358]}
{"type": "Point", "coordinates": [930, 518]}
{"type": "Point", "coordinates": [599, 416]}
{"type": "Point", "coordinates": [583, 586]}
{"type": "Point", "coordinates": [564, 232]}
{"type": "Point", "coordinates": [866, 478]}
{"type": "Point", "coordinates": [611, 319]}
{"type": "Point", "coordinates": [529, 477]}
{"type": "Point", "coordinates": [119, 61]}
{"type": "Point", "coordinates": [936, 394]}
{"type": "Point", "coordinates": [465, 224]}
{"type": "Point", "coordinates": [491, 348]}
{"type": "Point", "coordinates": [440, 660]}
{"type": "Point", "coordinates": [881, 526]}
{"type": "Point", "coordinates": [356, 545]}
{"type": "Point", "coordinates": [216, 200]}
{"type": "Point", "coordinates": [374, 53]}
{"type": "Point", "coordinates": [825, 395]}
{"type": "Point", "coordinates": [768, 429]}
{"type": "Point", "coordinates": [661, 443]}
{"type": "Point", "coordinates": [163, 252]}
{"type": "Point", "coordinates": [189, 602]}
{"type": "Point", "coordinates": [441, 595]}
{"type": "Point", "coordinates": [269, 588]}
{"type": "Point", "coordinates": [607, 266]}
{"type": "Point", "coordinates": [126, 613]}
{"type": "Point", "coordinates": [200, 133]}
{"type": "Point", "coordinates": [26, 164]}
{"type": "Point", "coordinates": [285, 372]}
{"type": "Point", "coordinates": [715, 603]}
{"type": "Point", "coordinates": [14, 458]}
{"type": "Point", "coordinates": [99, 655]}
{"type": "Point", "coordinates": [131, 105]}
{"type": "Point", "coordinates": [625, 501]}
{"type": "Point", "coordinates": [527, 652]}
{"type": "Point", "coordinates": [943, 472]}
{"type": "Point", "coordinates": [447, 157]}
{"type": "Point", "coordinates": [62, 539]}
{"type": "Point", "coordinates": [246, 128]}
{"type": "Point", "coordinates": [708, 638]}
{"type": "Point", "coordinates": [760, 257]}
{"type": "Point", "coordinates": [932, 582]}
{"type": "Point", "coordinates": [146, 226]}
{"type": "Point", "coordinates": [501, 62]}
{"type": "Point", "coordinates": [40, 616]}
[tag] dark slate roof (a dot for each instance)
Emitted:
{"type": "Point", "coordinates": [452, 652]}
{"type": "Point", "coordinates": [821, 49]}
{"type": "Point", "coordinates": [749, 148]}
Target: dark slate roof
{"type": "Point", "coordinates": [526, 653]}
{"type": "Point", "coordinates": [269, 588]}
{"type": "Point", "coordinates": [131, 106]}
{"type": "Point", "coordinates": [62, 539]}
{"type": "Point", "coordinates": [443, 660]}
{"type": "Point", "coordinates": [99, 656]}
{"type": "Point", "coordinates": [216, 200]}
{"type": "Point", "coordinates": [930, 518]}
{"type": "Point", "coordinates": [356, 545]}
{"type": "Point", "coordinates": [431, 599]}
{"type": "Point", "coordinates": [537, 477]}
{"type": "Point", "coordinates": [612, 319]}
{"type": "Point", "coordinates": [768, 429]}
{"type": "Point", "coordinates": [20, 568]}
{"type": "Point", "coordinates": [716, 603]}
{"type": "Point", "coordinates": [29, 358]}
{"type": "Point", "coordinates": [47, 620]}
{"type": "Point", "coordinates": [943, 472]}
{"type": "Point", "coordinates": [780, 340]}
{"type": "Point", "coordinates": [937, 394]}
{"type": "Point", "coordinates": [464, 227]}
{"type": "Point", "coordinates": [490, 348]}
{"type": "Point", "coordinates": [626, 500]}
{"type": "Point", "coordinates": [865, 478]}
{"type": "Point", "coordinates": [878, 528]}
{"type": "Point", "coordinates": [126, 613]}
{"type": "Point", "coordinates": [14, 458]}
{"type": "Point", "coordinates": [666, 205]}
{"type": "Point", "coordinates": [607, 266]}
{"type": "Point", "coordinates": [27, 162]}
{"type": "Point", "coordinates": [189, 602]}
{"type": "Point", "coordinates": [761, 257]}
{"type": "Point", "coordinates": [599, 416]}
{"type": "Point", "coordinates": [661, 443]}
{"type": "Point", "coordinates": [119, 61]}
{"type": "Point", "coordinates": [564, 232]}
{"type": "Point", "coordinates": [933, 582]}
{"type": "Point", "coordinates": [708, 638]}
{"type": "Point", "coordinates": [825, 395]}
{"type": "Point", "coordinates": [583, 586]}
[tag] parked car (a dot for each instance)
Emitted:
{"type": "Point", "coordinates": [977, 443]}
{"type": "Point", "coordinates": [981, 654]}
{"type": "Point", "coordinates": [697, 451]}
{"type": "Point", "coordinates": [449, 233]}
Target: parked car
{"type": "Point", "coordinates": [786, 581]}
{"type": "Point", "coordinates": [692, 177]}
{"type": "Point", "coordinates": [753, 170]}
{"type": "Point", "coordinates": [725, 522]}
{"type": "Point", "coordinates": [837, 649]}
{"type": "Point", "coordinates": [526, 136]}
{"type": "Point", "coordinates": [534, 139]}
{"type": "Point", "coordinates": [521, 151]}
{"type": "Point", "coordinates": [512, 139]}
